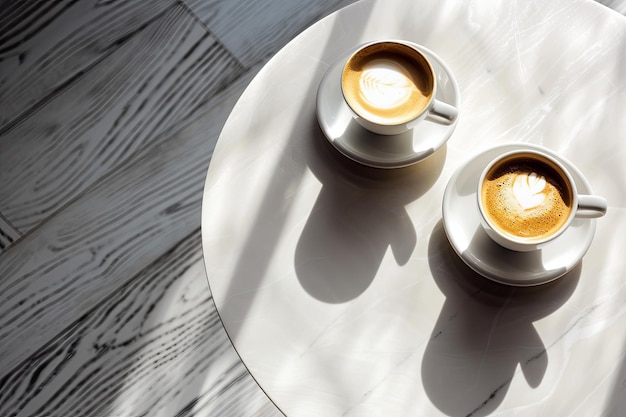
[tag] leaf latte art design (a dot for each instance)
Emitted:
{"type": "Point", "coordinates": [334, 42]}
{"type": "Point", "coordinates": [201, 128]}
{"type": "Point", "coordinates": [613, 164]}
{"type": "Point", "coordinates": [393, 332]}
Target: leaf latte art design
{"type": "Point", "coordinates": [528, 190]}
{"type": "Point", "coordinates": [385, 86]}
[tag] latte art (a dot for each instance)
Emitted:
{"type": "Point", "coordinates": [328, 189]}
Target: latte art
{"type": "Point", "coordinates": [388, 83]}
{"type": "Point", "coordinates": [526, 198]}
{"type": "Point", "coordinates": [385, 85]}
{"type": "Point", "coordinates": [528, 190]}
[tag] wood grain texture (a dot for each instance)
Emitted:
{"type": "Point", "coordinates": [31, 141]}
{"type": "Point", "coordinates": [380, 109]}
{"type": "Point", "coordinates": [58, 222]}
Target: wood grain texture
{"type": "Point", "coordinates": [45, 45]}
{"type": "Point", "coordinates": [255, 30]}
{"type": "Point", "coordinates": [154, 347]}
{"type": "Point", "coordinates": [110, 115]}
{"type": "Point", "coordinates": [8, 234]}
{"type": "Point", "coordinates": [109, 234]}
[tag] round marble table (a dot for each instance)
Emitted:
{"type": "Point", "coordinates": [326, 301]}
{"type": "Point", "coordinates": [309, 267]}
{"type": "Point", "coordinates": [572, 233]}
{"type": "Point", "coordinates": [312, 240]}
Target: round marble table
{"type": "Point", "coordinates": [336, 282]}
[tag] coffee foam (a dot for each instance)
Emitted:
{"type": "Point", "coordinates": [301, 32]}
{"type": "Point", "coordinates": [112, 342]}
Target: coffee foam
{"type": "Point", "coordinates": [529, 190]}
{"type": "Point", "coordinates": [526, 198]}
{"type": "Point", "coordinates": [387, 83]}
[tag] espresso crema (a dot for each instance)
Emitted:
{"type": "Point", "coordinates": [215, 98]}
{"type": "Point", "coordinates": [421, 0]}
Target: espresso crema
{"type": "Point", "coordinates": [388, 83]}
{"type": "Point", "coordinates": [526, 197]}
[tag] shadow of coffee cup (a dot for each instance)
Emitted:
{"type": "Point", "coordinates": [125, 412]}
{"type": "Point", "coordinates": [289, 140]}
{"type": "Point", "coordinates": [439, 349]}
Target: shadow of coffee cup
{"type": "Point", "coordinates": [359, 213]}
{"type": "Point", "coordinates": [484, 334]}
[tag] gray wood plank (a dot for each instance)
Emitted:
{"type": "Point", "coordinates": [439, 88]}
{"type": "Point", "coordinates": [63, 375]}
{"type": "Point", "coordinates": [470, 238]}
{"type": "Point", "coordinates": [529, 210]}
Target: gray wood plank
{"type": "Point", "coordinates": [255, 30]}
{"type": "Point", "coordinates": [45, 45]}
{"type": "Point", "coordinates": [109, 115]}
{"type": "Point", "coordinates": [59, 271]}
{"type": "Point", "coordinates": [154, 347]}
{"type": "Point", "coordinates": [8, 234]}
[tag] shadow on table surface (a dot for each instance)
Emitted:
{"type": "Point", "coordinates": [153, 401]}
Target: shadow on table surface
{"type": "Point", "coordinates": [483, 332]}
{"type": "Point", "coordinates": [359, 213]}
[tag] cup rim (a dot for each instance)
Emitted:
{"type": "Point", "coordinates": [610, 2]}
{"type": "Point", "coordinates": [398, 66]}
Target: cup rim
{"type": "Point", "coordinates": [405, 44]}
{"type": "Point", "coordinates": [528, 241]}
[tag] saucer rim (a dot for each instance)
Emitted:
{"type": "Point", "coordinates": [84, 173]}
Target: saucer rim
{"type": "Point", "coordinates": [481, 266]}
{"type": "Point", "coordinates": [402, 161]}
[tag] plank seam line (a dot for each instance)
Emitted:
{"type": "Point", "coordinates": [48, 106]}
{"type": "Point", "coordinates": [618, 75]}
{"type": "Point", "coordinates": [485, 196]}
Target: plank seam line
{"type": "Point", "coordinates": [32, 109]}
{"type": "Point", "coordinates": [64, 331]}
{"type": "Point", "coordinates": [197, 18]}
{"type": "Point", "coordinates": [7, 228]}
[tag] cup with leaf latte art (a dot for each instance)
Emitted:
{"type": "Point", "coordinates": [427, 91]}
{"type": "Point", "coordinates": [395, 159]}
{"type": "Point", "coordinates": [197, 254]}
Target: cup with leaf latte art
{"type": "Point", "coordinates": [527, 198]}
{"type": "Point", "coordinates": [390, 86]}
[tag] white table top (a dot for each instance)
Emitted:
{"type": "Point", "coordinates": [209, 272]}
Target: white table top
{"type": "Point", "coordinates": [336, 282]}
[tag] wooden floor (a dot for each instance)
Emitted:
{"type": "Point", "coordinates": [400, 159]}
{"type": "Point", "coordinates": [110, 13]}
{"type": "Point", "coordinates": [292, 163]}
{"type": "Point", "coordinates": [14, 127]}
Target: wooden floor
{"type": "Point", "coordinates": [109, 112]}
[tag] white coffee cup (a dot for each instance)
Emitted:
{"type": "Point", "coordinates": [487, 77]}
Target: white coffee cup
{"type": "Point", "coordinates": [390, 86]}
{"type": "Point", "coordinates": [527, 198]}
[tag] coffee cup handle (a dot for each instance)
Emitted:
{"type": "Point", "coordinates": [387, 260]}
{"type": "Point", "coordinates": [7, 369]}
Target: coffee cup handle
{"type": "Point", "coordinates": [442, 113]}
{"type": "Point", "coordinates": [591, 206]}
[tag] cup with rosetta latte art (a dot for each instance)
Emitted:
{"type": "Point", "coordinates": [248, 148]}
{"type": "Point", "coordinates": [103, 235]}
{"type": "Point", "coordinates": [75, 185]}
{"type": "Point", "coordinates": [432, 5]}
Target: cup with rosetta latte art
{"type": "Point", "coordinates": [527, 198]}
{"type": "Point", "coordinates": [390, 86]}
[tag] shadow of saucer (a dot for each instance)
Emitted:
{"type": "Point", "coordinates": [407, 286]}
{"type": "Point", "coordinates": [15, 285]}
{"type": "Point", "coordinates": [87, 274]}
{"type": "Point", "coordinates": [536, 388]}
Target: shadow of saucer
{"type": "Point", "coordinates": [484, 331]}
{"type": "Point", "coordinates": [358, 214]}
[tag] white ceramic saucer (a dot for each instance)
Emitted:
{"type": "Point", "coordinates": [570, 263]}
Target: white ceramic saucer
{"type": "Point", "coordinates": [380, 151]}
{"type": "Point", "coordinates": [461, 221]}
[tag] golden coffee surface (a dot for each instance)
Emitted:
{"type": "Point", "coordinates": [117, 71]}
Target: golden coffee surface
{"type": "Point", "coordinates": [388, 83]}
{"type": "Point", "coordinates": [526, 198]}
